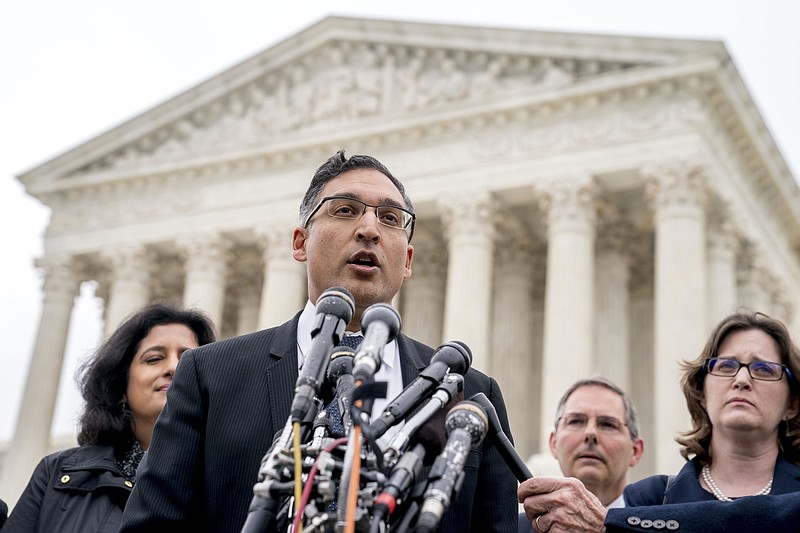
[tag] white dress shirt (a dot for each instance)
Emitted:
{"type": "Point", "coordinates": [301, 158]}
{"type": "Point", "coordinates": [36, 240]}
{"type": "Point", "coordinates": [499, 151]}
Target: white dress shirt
{"type": "Point", "coordinates": [389, 371]}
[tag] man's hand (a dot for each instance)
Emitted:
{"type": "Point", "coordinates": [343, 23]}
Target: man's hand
{"type": "Point", "coordinates": [561, 505]}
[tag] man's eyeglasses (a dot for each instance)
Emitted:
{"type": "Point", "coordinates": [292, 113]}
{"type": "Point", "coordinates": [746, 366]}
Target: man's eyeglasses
{"type": "Point", "coordinates": [579, 421]}
{"type": "Point", "coordinates": [762, 370]}
{"type": "Point", "coordinates": [348, 208]}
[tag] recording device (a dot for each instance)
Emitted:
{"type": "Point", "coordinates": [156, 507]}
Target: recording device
{"type": "Point", "coordinates": [500, 439]}
{"type": "Point", "coordinates": [340, 377]}
{"type": "Point", "coordinates": [451, 357]}
{"type": "Point", "coordinates": [466, 427]}
{"type": "Point", "coordinates": [380, 324]}
{"type": "Point", "coordinates": [335, 308]}
{"type": "Point", "coordinates": [452, 387]}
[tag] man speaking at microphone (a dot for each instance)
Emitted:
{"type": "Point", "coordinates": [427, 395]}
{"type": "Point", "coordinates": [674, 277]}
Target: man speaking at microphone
{"type": "Point", "coordinates": [228, 399]}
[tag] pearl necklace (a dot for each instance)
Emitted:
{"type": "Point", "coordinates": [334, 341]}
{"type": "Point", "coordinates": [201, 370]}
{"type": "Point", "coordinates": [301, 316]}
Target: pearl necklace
{"type": "Point", "coordinates": [717, 492]}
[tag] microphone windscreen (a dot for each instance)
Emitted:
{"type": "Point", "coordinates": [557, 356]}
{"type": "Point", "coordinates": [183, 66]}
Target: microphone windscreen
{"type": "Point", "coordinates": [432, 434]}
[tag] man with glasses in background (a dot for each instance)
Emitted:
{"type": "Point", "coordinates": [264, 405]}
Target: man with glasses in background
{"type": "Point", "coordinates": [229, 398]}
{"type": "Point", "coordinates": [596, 440]}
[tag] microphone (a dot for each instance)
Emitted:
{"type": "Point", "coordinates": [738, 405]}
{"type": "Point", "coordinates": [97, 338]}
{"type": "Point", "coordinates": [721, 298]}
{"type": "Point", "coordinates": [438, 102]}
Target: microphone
{"type": "Point", "coordinates": [452, 387]}
{"type": "Point", "coordinates": [380, 324]}
{"type": "Point", "coordinates": [504, 446]}
{"type": "Point", "coordinates": [466, 427]}
{"type": "Point", "coordinates": [335, 309]}
{"type": "Point", "coordinates": [340, 376]}
{"type": "Point", "coordinates": [402, 478]}
{"type": "Point", "coordinates": [450, 357]}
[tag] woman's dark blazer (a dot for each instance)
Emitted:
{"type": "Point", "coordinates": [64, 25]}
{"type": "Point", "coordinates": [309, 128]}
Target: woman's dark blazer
{"type": "Point", "coordinates": [80, 490]}
{"type": "Point", "coordinates": [685, 486]}
{"type": "Point", "coordinates": [226, 403]}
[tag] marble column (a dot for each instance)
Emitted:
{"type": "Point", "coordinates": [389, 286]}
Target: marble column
{"type": "Point", "coordinates": [130, 284]}
{"type": "Point", "coordinates": [31, 439]}
{"type": "Point", "coordinates": [611, 330]}
{"type": "Point", "coordinates": [284, 291]}
{"type": "Point", "coordinates": [205, 276]}
{"type": "Point", "coordinates": [569, 291]}
{"type": "Point", "coordinates": [245, 284]}
{"type": "Point", "coordinates": [678, 191]}
{"type": "Point", "coordinates": [754, 281]}
{"type": "Point", "coordinates": [469, 229]}
{"type": "Point", "coordinates": [423, 293]}
{"type": "Point", "coordinates": [513, 358]}
{"type": "Point", "coordinates": [722, 284]}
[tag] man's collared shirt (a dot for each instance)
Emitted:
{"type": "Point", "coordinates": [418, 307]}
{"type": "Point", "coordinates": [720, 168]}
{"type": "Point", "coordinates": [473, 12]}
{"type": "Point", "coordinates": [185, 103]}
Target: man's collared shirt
{"type": "Point", "coordinates": [389, 371]}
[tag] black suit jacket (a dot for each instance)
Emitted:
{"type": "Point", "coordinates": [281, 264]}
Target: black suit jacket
{"type": "Point", "coordinates": [226, 403]}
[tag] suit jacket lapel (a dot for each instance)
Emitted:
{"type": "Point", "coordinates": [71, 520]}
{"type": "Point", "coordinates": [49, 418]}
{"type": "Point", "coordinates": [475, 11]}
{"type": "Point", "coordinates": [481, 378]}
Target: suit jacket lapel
{"type": "Point", "coordinates": [787, 477]}
{"type": "Point", "coordinates": [410, 359]}
{"type": "Point", "coordinates": [281, 374]}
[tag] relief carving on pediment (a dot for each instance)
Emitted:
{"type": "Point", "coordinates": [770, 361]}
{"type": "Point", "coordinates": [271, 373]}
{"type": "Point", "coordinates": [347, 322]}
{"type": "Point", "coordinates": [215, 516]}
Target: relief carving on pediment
{"type": "Point", "coordinates": [343, 82]}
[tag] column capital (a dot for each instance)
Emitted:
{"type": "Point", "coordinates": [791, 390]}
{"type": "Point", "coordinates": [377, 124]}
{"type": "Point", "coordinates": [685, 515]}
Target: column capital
{"type": "Point", "coordinates": [681, 182]}
{"type": "Point", "coordinates": [468, 212]}
{"type": "Point", "coordinates": [204, 252]}
{"type": "Point", "coordinates": [274, 236]}
{"type": "Point", "coordinates": [60, 275]}
{"type": "Point", "coordinates": [514, 231]}
{"type": "Point", "coordinates": [570, 200]}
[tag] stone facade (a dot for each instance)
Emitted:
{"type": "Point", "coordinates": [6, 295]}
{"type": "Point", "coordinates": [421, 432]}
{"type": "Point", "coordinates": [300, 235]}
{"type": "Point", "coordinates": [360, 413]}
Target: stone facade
{"type": "Point", "coordinates": [586, 204]}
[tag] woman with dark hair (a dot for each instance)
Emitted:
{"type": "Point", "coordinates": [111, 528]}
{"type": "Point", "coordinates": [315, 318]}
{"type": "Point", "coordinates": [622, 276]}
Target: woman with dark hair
{"type": "Point", "coordinates": [744, 399]}
{"type": "Point", "coordinates": [124, 385]}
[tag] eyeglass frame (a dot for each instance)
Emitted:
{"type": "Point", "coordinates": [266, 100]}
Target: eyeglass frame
{"type": "Point", "coordinates": [784, 368]}
{"type": "Point", "coordinates": [411, 224]}
{"type": "Point", "coordinates": [622, 423]}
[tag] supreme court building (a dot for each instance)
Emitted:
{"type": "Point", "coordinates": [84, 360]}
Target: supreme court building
{"type": "Point", "coordinates": [586, 205]}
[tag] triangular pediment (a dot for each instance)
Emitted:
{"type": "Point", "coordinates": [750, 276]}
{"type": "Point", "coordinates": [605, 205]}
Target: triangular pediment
{"type": "Point", "coordinates": [345, 72]}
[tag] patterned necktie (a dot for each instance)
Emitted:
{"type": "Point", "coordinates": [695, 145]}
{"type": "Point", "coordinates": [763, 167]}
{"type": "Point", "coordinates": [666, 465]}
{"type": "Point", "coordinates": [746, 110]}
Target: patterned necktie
{"type": "Point", "coordinates": [337, 429]}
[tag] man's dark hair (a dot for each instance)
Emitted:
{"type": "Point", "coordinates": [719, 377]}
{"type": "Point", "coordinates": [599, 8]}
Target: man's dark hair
{"type": "Point", "coordinates": [103, 379]}
{"type": "Point", "coordinates": [337, 165]}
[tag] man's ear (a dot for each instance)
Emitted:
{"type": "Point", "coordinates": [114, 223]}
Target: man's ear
{"type": "Point", "coordinates": [409, 257]}
{"type": "Point", "coordinates": [299, 239]}
{"type": "Point", "coordinates": [638, 451]}
{"type": "Point", "coordinates": [553, 444]}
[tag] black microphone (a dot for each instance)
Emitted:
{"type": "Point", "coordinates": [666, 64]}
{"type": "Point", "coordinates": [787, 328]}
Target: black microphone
{"type": "Point", "coordinates": [340, 377]}
{"type": "Point", "coordinates": [380, 324]}
{"type": "Point", "coordinates": [466, 427]}
{"type": "Point", "coordinates": [501, 440]}
{"type": "Point", "coordinates": [452, 387]}
{"type": "Point", "coordinates": [401, 479]}
{"type": "Point", "coordinates": [335, 309]}
{"type": "Point", "coordinates": [453, 357]}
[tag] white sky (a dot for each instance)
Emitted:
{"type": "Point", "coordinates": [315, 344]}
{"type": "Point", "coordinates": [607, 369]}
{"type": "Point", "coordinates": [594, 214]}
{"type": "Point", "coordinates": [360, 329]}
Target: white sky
{"type": "Point", "coordinates": [73, 69]}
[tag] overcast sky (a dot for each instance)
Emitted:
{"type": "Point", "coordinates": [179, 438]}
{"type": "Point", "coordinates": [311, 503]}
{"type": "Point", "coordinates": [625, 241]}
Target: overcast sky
{"type": "Point", "coordinates": [72, 70]}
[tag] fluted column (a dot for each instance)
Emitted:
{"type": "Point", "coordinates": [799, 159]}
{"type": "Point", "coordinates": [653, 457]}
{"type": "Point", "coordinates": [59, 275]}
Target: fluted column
{"type": "Point", "coordinates": [423, 294]}
{"type": "Point", "coordinates": [205, 276]}
{"type": "Point", "coordinates": [130, 284]}
{"type": "Point", "coordinates": [245, 275]}
{"type": "Point", "coordinates": [678, 191]}
{"type": "Point", "coordinates": [284, 291]}
{"type": "Point", "coordinates": [31, 439]}
{"type": "Point", "coordinates": [754, 281]}
{"type": "Point", "coordinates": [513, 359]}
{"type": "Point", "coordinates": [569, 290]}
{"type": "Point", "coordinates": [611, 329]}
{"type": "Point", "coordinates": [722, 290]}
{"type": "Point", "coordinates": [469, 228]}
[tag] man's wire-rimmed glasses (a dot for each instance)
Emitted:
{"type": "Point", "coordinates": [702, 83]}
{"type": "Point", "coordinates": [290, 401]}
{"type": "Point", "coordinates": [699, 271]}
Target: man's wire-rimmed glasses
{"type": "Point", "coordinates": [579, 421]}
{"type": "Point", "coordinates": [349, 208]}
